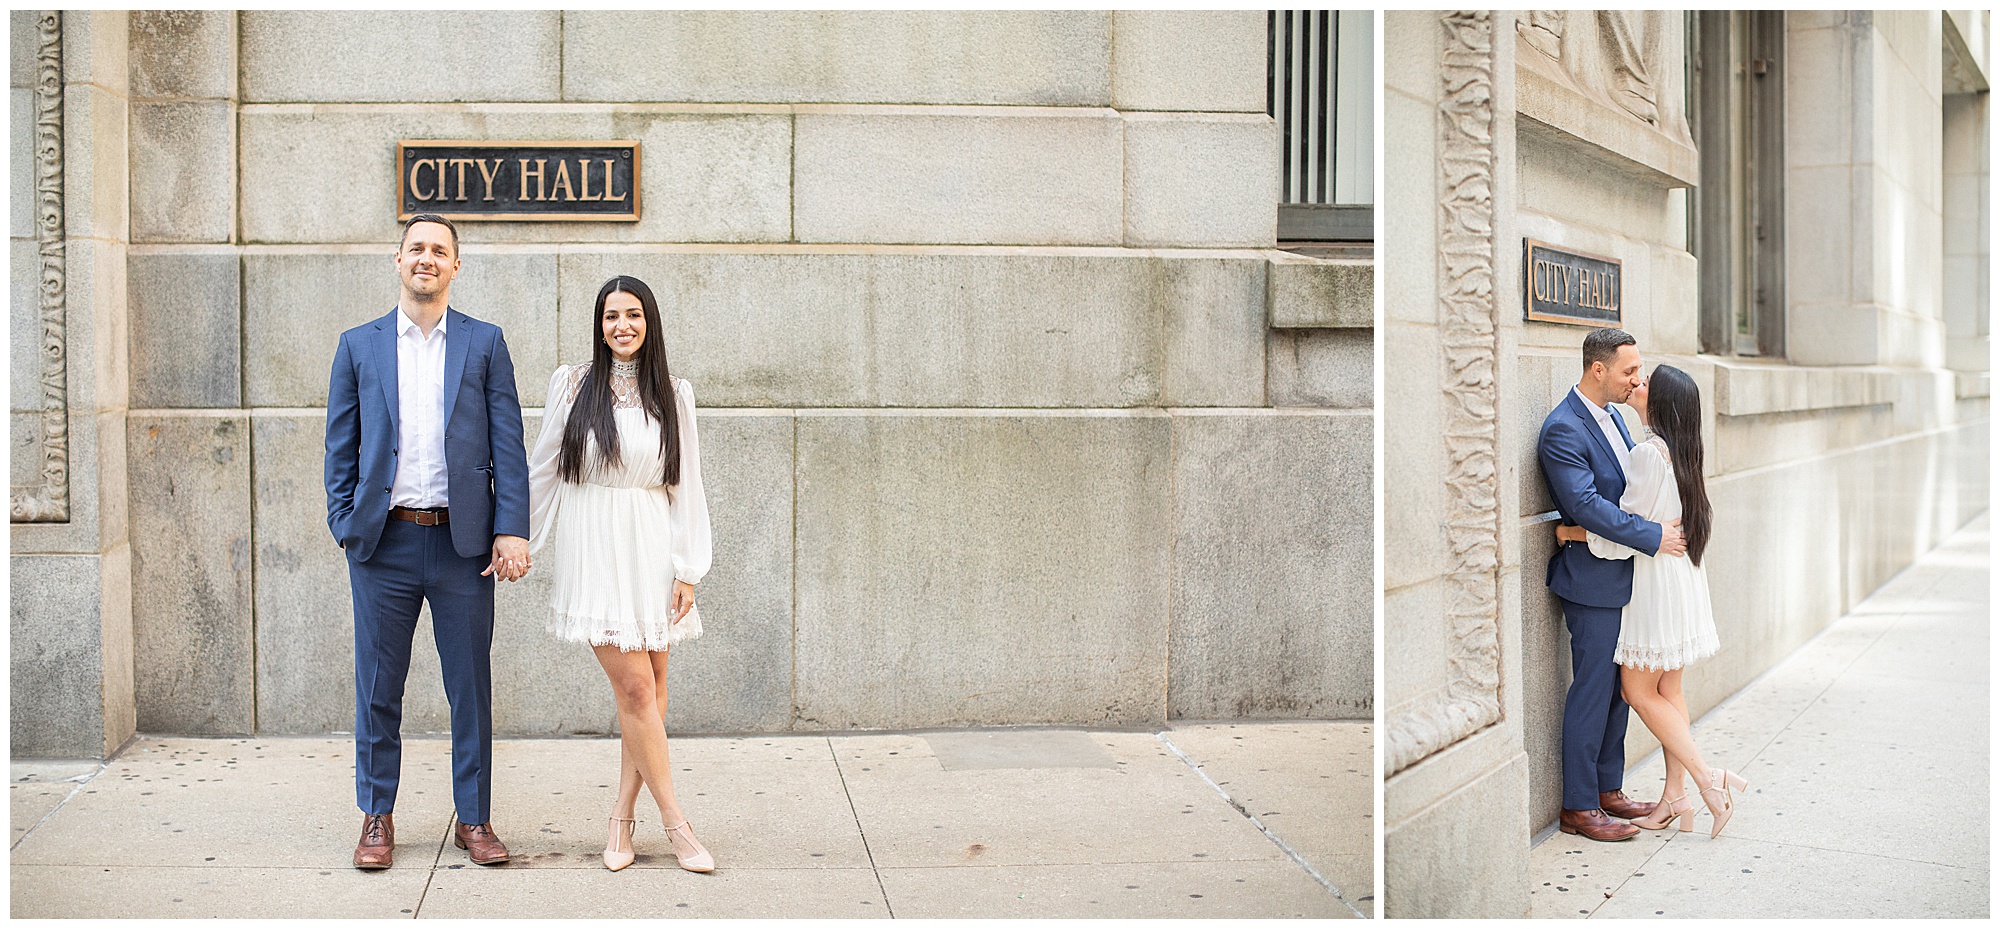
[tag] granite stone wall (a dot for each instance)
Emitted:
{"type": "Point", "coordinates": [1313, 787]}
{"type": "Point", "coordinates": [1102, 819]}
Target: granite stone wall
{"type": "Point", "coordinates": [1011, 412]}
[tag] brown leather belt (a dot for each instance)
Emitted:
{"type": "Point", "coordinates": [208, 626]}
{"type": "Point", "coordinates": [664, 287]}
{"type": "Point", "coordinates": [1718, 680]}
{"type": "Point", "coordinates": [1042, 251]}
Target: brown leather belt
{"type": "Point", "coordinates": [437, 517]}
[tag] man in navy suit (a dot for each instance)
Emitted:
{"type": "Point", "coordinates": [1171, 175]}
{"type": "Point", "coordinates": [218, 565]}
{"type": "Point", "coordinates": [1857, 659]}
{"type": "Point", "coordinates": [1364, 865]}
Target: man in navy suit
{"type": "Point", "coordinates": [427, 492]}
{"type": "Point", "coordinates": [1584, 448]}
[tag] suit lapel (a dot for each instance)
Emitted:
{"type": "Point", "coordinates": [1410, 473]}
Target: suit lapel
{"type": "Point", "coordinates": [1580, 408]}
{"type": "Point", "coordinates": [386, 369]}
{"type": "Point", "coordinates": [457, 342]}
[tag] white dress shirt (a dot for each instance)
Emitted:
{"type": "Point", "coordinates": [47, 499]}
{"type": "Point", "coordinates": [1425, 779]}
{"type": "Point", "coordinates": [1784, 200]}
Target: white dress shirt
{"type": "Point", "coordinates": [420, 471]}
{"type": "Point", "coordinates": [1603, 415]}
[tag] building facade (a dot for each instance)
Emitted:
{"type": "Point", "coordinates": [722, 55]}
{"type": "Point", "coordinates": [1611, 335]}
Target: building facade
{"type": "Point", "coordinates": [1011, 410]}
{"type": "Point", "coordinates": [1798, 205]}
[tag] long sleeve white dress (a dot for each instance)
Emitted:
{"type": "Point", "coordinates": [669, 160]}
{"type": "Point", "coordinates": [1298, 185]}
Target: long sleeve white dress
{"type": "Point", "coordinates": [1669, 623]}
{"type": "Point", "coordinates": [626, 536]}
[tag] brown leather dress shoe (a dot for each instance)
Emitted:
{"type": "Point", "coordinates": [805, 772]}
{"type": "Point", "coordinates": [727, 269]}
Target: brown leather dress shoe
{"type": "Point", "coordinates": [377, 849]}
{"type": "Point", "coordinates": [1623, 807]}
{"type": "Point", "coordinates": [1593, 824]}
{"type": "Point", "coordinates": [479, 842]}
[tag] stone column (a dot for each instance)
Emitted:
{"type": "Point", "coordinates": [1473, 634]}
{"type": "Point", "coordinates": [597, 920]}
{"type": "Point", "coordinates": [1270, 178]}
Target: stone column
{"type": "Point", "coordinates": [1864, 288]}
{"type": "Point", "coordinates": [1456, 830]}
{"type": "Point", "coordinates": [189, 436]}
{"type": "Point", "coordinates": [1967, 194]}
{"type": "Point", "coordinates": [71, 615]}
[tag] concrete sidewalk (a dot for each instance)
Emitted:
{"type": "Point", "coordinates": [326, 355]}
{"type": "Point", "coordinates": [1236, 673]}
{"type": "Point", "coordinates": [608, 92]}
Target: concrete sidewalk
{"type": "Point", "coordinates": [1866, 752]}
{"type": "Point", "coordinates": [1208, 820]}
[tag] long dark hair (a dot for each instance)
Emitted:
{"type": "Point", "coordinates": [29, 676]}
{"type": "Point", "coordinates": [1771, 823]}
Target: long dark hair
{"type": "Point", "coordinates": [1673, 403]}
{"type": "Point", "coordinates": [591, 413]}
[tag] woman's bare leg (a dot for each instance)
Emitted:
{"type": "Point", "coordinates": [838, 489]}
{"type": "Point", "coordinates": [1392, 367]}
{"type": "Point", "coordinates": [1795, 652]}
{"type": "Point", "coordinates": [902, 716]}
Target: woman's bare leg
{"type": "Point", "coordinates": [1670, 688]}
{"type": "Point", "coordinates": [629, 778]}
{"type": "Point", "coordinates": [1667, 722]}
{"type": "Point", "coordinates": [642, 733]}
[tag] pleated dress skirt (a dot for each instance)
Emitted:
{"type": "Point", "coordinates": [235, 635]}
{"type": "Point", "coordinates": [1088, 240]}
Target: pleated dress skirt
{"type": "Point", "coordinates": [614, 569]}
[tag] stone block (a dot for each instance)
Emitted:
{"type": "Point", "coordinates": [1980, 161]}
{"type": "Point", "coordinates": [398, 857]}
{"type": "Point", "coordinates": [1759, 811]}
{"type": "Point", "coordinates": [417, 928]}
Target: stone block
{"type": "Point", "coordinates": [190, 522]}
{"type": "Point", "coordinates": [1194, 181]}
{"type": "Point", "coordinates": [1019, 58]}
{"type": "Point", "coordinates": [24, 445]}
{"type": "Point", "coordinates": [1545, 676]}
{"type": "Point", "coordinates": [1322, 367]}
{"type": "Point", "coordinates": [94, 50]}
{"type": "Point", "coordinates": [24, 325]}
{"type": "Point", "coordinates": [186, 329]}
{"type": "Point", "coordinates": [961, 175]}
{"type": "Point", "coordinates": [95, 157]}
{"type": "Point", "coordinates": [1272, 608]}
{"type": "Point", "coordinates": [1189, 60]}
{"type": "Point", "coordinates": [301, 56]}
{"type": "Point", "coordinates": [1464, 857]}
{"type": "Point", "coordinates": [97, 486]}
{"type": "Point", "coordinates": [183, 53]}
{"type": "Point", "coordinates": [305, 614]}
{"type": "Point", "coordinates": [981, 570]}
{"type": "Point", "coordinates": [901, 329]}
{"type": "Point", "coordinates": [1214, 331]}
{"type": "Point", "coordinates": [1315, 293]}
{"type": "Point", "coordinates": [1538, 380]}
{"type": "Point", "coordinates": [738, 676]}
{"type": "Point", "coordinates": [705, 177]}
{"type": "Point", "coordinates": [21, 163]}
{"type": "Point", "coordinates": [56, 660]}
{"type": "Point", "coordinates": [95, 325]}
{"type": "Point", "coordinates": [1819, 267]}
{"type": "Point", "coordinates": [1413, 507]}
{"type": "Point", "coordinates": [183, 171]}
{"type": "Point", "coordinates": [297, 304]}
{"type": "Point", "coordinates": [23, 43]}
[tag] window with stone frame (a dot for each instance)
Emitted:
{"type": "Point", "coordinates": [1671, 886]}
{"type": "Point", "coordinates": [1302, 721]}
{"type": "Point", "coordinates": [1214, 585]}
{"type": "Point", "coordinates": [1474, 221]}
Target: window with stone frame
{"type": "Point", "coordinates": [1322, 93]}
{"type": "Point", "coordinates": [1736, 92]}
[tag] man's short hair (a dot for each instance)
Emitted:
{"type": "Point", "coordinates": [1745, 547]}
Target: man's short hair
{"type": "Point", "coordinates": [1602, 345]}
{"type": "Point", "coordinates": [432, 218]}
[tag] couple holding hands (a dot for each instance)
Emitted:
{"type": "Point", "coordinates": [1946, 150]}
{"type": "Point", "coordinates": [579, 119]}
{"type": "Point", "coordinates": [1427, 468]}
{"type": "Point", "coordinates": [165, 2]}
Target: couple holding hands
{"type": "Point", "coordinates": [433, 496]}
{"type": "Point", "coordinates": [1628, 571]}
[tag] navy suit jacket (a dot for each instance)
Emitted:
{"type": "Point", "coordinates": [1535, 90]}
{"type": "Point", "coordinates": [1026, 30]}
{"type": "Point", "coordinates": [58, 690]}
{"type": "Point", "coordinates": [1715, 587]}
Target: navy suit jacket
{"type": "Point", "coordinates": [486, 463]}
{"type": "Point", "coordinates": [1586, 482]}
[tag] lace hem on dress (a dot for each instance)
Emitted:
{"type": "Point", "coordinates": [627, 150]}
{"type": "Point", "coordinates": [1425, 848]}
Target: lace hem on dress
{"type": "Point", "coordinates": [1668, 657]}
{"type": "Point", "coordinates": [628, 635]}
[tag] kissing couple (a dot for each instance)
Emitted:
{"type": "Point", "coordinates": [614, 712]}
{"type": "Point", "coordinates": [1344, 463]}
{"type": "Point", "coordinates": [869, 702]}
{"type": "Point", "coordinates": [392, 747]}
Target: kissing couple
{"type": "Point", "coordinates": [1628, 570]}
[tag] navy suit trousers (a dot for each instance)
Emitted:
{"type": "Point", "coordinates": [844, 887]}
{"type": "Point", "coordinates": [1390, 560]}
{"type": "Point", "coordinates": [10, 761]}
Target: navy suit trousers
{"type": "Point", "coordinates": [1594, 714]}
{"type": "Point", "coordinates": [412, 564]}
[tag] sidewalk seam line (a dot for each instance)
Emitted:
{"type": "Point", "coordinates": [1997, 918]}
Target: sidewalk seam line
{"type": "Point", "coordinates": [1297, 858]}
{"type": "Point", "coordinates": [87, 778]}
{"type": "Point", "coordinates": [872, 868]}
{"type": "Point", "coordinates": [417, 912]}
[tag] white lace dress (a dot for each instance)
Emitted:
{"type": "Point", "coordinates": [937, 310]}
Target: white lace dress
{"type": "Point", "coordinates": [622, 536]}
{"type": "Point", "coordinates": [1669, 623]}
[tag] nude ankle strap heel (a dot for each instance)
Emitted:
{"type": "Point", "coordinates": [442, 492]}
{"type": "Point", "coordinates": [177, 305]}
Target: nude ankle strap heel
{"type": "Point", "coordinates": [1722, 781]}
{"type": "Point", "coordinates": [696, 858]}
{"type": "Point", "coordinates": [1665, 812]}
{"type": "Point", "coordinates": [615, 858]}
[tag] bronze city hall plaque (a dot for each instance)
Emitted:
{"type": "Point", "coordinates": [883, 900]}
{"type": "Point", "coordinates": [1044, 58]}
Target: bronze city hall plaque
{"type": "Point", "coordinates": [519, 181]}
{"type": "Point", "coordinates": [1563, 286]}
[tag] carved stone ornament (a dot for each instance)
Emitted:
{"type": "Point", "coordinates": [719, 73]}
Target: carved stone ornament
{"type": "Point", "coordinates": [1605, 51]}
{"type": "Point", "coordinates": [48, 502]}
{"type": "Point", "coordinates": [1470, 700]}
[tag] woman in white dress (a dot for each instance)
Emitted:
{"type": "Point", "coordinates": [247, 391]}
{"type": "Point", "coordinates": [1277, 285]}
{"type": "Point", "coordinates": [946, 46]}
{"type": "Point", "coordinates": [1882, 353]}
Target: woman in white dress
{"type": "Point", "coordinates": [616, 476]}
{"type": "Point", "coordinates": [1669, 624]}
